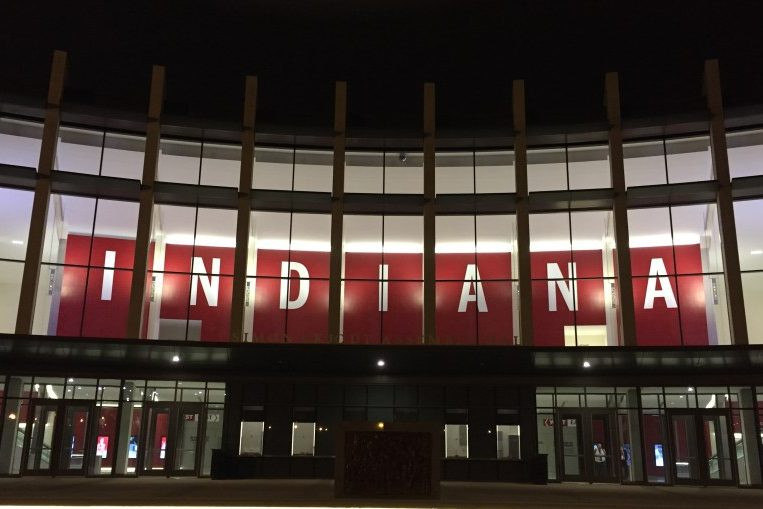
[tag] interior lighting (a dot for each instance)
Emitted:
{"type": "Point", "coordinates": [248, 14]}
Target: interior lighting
{"type": "Point", "coordinates": [381, 363]}
{"type": "Point", "coordinates": [690, 389]}
{"type": "Point", "coordinates": [12, 416]}
{"type": "Point", "coordinates": [175, 358]}
{"type": "Point", "coordinates": [753, 252]}
{"type": "Point", "coordinates": [380, 425]}
{"type": "Point", "coordinates": [18, 242]}
{"type": "Point", "coordinates": [586, 364]}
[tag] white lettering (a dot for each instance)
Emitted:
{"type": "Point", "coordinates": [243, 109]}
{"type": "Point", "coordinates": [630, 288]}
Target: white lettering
{"type": "Point", "coordinates": [383, 287]}
{"type": "Point", "coordinates": [304, 285]}
{"type": "Point", "coordinates": [569, 290]}
{"type": "Point", "coordinates": [657, 268]}
{"type": "Point", "coordinates": [209, 285]}
{"type": "Point", "coordinates": [471, 277]}
{"type": "Point", "coordinates": [108, 275]}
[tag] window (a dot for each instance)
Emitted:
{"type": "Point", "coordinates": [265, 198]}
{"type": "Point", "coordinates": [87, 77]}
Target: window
{"type": "Point", "coordinates": [745, 150]}
{"type": "Point", "coordinates": [100, 153]}
{"type": "Point", "coordinates": [573, 167]}
{"type": "Point", "coordinates": [574, 286]}
{"type": "Point", "coordinates": [474, 285]}
{"type": "Point", "coordinates": [749, 231]}
{"type": "Point", "coordinates": [507, 438]}
{"type": "Point", "coordinates": [457, 441]}
{"type": "Point", "coordinates": [16, 208]}
{"type": "Point", "coordinates": [251, 438]}
{"type": "Point", "coordinates": [20, 142]}
{"type": "Point", "coordinates": [86, 272]}
{"type": "Point", "coordinates": [190, 281]}
{"type": "Point", "coordinates": [303, 439]}
{"type": "Point", "coordinates": [678, 282]}
{"type": "Point", "coordinates": [383, 279]}
{"type": "Point", "coordinates": [667, 161]}
{"type": "Point", "coordinates": [288, 270]}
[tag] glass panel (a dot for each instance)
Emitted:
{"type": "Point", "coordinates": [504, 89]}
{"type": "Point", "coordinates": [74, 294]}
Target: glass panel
{"type": "Point", "coordinates": [689, 159]}
{"type": "Point", "coordinates": [41, 437]}
{"type": "Point", "coordinates": [79, 151]}
{"type": "Point", "coordinates": [250, 443]}
{"type": "Point", "coordinates": [630, 450]}
{"type": "Point", "coordinates": [273, 168]}
{"type": "Point", "coordinates": [129, 438]}
{"type": "Point", "coordinates": [105, 439]}
{"type": "Point", "coordinates": [313, 170]}
{"type": "Point", "coordinates": [745, 150]}
{"type": "Point", "coordinates": [155, 457]}
{"type": "Point", "coordinates": [10, 293]}
{"type": "Point", "coordinates": [20, 142]}
{"type": "Point", "coordinates": [686, 455]}
{"type": "Point", "coordinates": [573, 456]}
{"type": "Point", "coordinates": [14, 425]}
{"type": "Point", "coordinates": [303, 439]}
{"type": "Point", "coordinates": [364, 172]}
{"type": "Point", "coordinates": [644, 163]}
{"type": "Point", "coordinates": [404, 173]}
{"type": "Point", "coordinates": [454, 173]}
{"type": "Point", "coordinates": [220, 165]}
{"type": "Point", "coordinates": [456, 440]}
{"type": "Point", "coordinates": [123, 156]}
{"type": "Point", "coordinates": [179, 161]}
{"type": "Point", "coordinates": [589, 167]}
{"type": "Point", "coordinates": [16, 208]}
{"type": "Point", "coordinates": [494, 172]}
{"type": "Point", "coordinates": [214, 437]}
{"type": "Point", "coordinates": [717, 452]}
{"type": "Point", "coordinates": [547, 441]}
{"type": "Point", "coordinates": [655, 447]}
{"type": "Point", "coordinates": [546, 170]}
{"type": "Point", "coordinates": [187, 437]}
{"type": "Point", "coordinates": [507, 437]}
{"type": "Point", "coordinates": [604, 451]}
{"type": "Point", "coordinates": [74, 437]}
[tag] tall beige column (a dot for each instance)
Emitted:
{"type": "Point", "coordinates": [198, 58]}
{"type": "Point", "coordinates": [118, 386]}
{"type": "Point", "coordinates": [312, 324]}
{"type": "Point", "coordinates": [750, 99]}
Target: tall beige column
{"type": "Point", "coordinates": [430, 334]}
{"type": "Point", "coordinates": [620, 212]}
{"type": "Point", "coordinates": [146, 212]}
{"type": "Point", "coordinates": [35, 239]}
{"type": "Point", "coordinates": [244, 211]}
{"type": "Point", "coordinates": [337, 213]}
{"type": "Point", "coordinates": [522, 214]}
{"type": "Point", "coordinates": [725, 203]}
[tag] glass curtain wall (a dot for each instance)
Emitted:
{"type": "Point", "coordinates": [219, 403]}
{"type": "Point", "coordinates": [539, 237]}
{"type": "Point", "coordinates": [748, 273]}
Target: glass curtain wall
{"type": "Point", "coordinates": [382, 273]}
{"type": "Point", "coordinates": [289, 252]}
{"type": "Point", "coordinates": [679, 289]}
{"type": "Point", "coordinates": [750, 245]}
{"type": "Point", "coordinates": [20, 142]}
{"type": "Point", "coordinates": [16, 208]}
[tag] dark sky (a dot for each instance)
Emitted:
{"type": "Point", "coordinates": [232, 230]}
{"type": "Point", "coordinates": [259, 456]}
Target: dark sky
{"type": "Point", "coordinates": [386, 49]}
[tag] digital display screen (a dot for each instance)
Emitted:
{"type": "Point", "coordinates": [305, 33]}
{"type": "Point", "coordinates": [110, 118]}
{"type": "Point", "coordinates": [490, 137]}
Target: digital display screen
{"type": "Point", "coordinates": [658, 458]}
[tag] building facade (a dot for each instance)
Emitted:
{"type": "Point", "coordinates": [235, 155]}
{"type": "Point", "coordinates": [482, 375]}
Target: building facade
{"type": "Point", "coordinates": [581, 307]}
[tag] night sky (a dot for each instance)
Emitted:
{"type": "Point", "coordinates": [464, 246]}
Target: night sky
{"type": "Point", "coordinates": [385, 49]}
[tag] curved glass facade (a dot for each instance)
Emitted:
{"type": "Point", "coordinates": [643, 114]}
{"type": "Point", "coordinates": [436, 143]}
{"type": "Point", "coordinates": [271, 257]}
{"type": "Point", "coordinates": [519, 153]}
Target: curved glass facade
{"type": "Point", "coordinates": [677, 269]}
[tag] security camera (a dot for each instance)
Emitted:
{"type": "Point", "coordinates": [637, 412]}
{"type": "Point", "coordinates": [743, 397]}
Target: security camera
{"type": "Point", "coordinates": [403, 157]}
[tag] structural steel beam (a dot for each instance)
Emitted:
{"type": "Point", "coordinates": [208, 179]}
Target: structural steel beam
{"type": "Point", "coordinates": [337, 213]}
{"type": "Point", "coordinates": [146, 212]}
{"type": "Point", "coordinates": [430, 334]}
{"type": "Point", "coordinates": [36, 237]}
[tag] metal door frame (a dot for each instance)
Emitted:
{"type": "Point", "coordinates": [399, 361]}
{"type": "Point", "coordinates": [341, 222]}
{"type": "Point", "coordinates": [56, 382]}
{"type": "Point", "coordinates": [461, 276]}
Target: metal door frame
{"type": "Point", "coordinates": [175, 410]}
{"type": "Point", "coordinates": [586, 436]}
{"type": "Point", "coordinates": [697, 415]}
{"type": "Point", "coordinates": [55, 449]}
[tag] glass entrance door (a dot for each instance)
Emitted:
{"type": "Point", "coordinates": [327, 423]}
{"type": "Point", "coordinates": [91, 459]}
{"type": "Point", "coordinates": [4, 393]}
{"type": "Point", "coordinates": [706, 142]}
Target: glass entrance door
{"type": "Point", "coordinates": [157, 439]}
{"type": "Point", "coordinates": [41, 429]}
{"type": "Point", "coordinates": [588, 445]}
{"type": "Point", "coordinates": [172, 444]}
{"type": "Point", "coordinates": [56, 441]}
{"type": "Point", "coordinates": [701, 448]}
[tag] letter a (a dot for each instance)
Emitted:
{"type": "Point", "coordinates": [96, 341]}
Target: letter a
{"type": "Point", "coordinates": [472, 276]}
{"type": "Point", "coordinates": [657, 268]}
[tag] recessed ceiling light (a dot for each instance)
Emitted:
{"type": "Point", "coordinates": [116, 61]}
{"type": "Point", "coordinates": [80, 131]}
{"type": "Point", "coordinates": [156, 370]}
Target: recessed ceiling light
{"type": "Point", "coordinates": [18, 242]}
{"type": "Point", "coordinates": [380, 363]}
{"type": "Point", "coordinates": [753, 252]}
{"type": "Point", "coordinates": [175, 358]}
{"type": "Point", "coordinates": [586, 364]}
{"type": "Point", "coordinates": [690, 389]}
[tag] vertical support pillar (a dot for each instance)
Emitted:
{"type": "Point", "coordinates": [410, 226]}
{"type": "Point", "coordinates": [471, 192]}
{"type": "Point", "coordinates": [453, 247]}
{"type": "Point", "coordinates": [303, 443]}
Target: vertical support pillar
{"type": "Point", "coordinates": [337, 213]}
{"type": "Point", "coordinates": [625, 304]}
{"type": "Point", "coordinates": [522, 214]}
{"type": "Point", "coordinates": [35, 239]}
{"type": "Point", "coordinates": [725, 204]}
{"type": "Point", "coordinates": [146, 211]}
{"type": "Point", "coordinates": [244, 211]}
{"type": "Point", "coordinates": [430, 334]}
